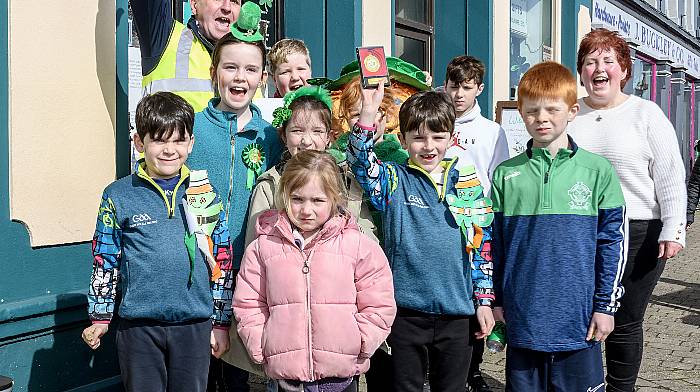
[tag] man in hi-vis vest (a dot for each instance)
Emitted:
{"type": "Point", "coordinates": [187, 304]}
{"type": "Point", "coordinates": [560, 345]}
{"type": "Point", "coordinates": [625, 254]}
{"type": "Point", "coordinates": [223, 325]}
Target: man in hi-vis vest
{"type": "Point", "coordinates": [175, 57]}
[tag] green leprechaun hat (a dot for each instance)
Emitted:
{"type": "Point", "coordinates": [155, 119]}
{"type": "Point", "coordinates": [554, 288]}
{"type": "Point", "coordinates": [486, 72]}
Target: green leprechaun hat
{"type": "Point", "coordinates": [247, 27]}
{"type": "Point", "coordinates": [399, 70]}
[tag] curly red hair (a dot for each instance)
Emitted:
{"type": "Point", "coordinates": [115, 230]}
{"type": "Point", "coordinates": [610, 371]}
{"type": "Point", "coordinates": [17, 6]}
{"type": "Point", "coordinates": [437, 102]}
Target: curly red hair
{"type": "Point", "coordinates": [604, 39]}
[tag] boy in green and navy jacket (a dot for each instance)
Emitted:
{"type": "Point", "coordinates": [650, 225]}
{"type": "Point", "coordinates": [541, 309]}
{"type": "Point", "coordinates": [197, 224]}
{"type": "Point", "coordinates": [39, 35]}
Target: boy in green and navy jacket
{"type": "Point", "coordinates": [162, 236]}
{"type": "Point", "coordinates": [558, 244]}
{"type": "Point", "coordinates": [436, 226]}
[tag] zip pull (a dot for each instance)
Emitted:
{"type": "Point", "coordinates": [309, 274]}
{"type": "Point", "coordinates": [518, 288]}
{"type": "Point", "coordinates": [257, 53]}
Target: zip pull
{"type": "Point", "coordinates": [305, 268]}
{"type": "Point", "coordinates": [546, 177]}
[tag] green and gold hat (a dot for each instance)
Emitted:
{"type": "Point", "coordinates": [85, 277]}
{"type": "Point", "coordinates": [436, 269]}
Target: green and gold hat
{"type": "Point", "coordinates": [247, 27]}
{"type": "Point", "coordinates": [399, 70]}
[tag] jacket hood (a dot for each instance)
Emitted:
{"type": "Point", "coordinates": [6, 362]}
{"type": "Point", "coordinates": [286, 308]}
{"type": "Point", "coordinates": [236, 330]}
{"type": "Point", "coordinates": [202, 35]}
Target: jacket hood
{"type": "Point", "coordinates": [276, 223]}
{"type": "Point", "coordinates": [470, 115]}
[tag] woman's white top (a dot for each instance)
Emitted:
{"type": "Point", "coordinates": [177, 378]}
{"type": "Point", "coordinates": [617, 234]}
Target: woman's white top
{"type": "Point", "coordinates": [641, 144]}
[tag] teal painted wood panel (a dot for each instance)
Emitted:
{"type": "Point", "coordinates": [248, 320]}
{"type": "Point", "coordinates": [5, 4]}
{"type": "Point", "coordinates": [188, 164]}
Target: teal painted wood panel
{"type": "Point", "coordinates": [305, 20]}
{"type": "Point", "coordinates": [343, 34]}
{"type": "Point", "coordinates": [450, 35]}
{"type": "Point", "coordinates": [42, 290]}
{"type": "Point", "coordinates": [569, 33]}
{"type": "Point", "coordinates": [480, 45]}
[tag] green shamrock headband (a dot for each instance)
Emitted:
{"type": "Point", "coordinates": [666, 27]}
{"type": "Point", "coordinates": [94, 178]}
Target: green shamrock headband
{"type": "Point", "coordinates": [284, 113]}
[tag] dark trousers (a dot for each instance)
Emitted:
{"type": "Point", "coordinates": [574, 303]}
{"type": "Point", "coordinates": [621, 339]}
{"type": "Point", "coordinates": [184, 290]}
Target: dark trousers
{"type": "Point", "coordinates": [419, 340]}
{"type": "Point", "coordinates": [536, 371]}
{"type": "Point", "coordinates": [224, 377]}
{"type": "Point", "coordinates": [157, 357]}
{"type": "Point", "coordinates": [380, 376]}
{"type": "Point", "coordinates": [623, 348]}
{"type": "Point", "coordinates": [477, 347]}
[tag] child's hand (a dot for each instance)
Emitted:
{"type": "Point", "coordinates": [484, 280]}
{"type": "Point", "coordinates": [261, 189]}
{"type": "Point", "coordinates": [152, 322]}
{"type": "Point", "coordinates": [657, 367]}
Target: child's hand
{"type": "Point", "coordinates": [371, 100]}
{"type": "Point", "coordinates": [220, 342]}
{"type": "Point", "coordinates": [498, 314]}
{"type": "Point", "coordinates": [484, 315]}
{"type": "Point", "coordinates": [601, 326]}
{"type": "Point", "coordinates": [92, 334]}
{"type": "Point", "coordinates": [380, 122]}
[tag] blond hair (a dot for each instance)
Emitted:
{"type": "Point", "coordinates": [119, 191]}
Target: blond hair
{"type": "Point", "coordinates": [303, 167]}
{"type": "Point", "coordinates": [283, 48]}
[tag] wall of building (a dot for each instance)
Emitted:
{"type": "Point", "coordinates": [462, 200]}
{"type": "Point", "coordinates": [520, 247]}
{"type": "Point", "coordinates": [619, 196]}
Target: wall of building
{"type": "Point", "coordinates": [58, 110]}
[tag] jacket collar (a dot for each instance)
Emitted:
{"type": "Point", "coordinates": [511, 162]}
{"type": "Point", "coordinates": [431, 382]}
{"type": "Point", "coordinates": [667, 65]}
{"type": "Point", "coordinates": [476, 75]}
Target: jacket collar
{"type": "Point", "coordinates": [276, 223]}
{"type": "Point", "coordinates": [563, 152]}
{"type": "Point", "coordinates": [192, 25]}
{"type": "Point", "coordinates": [447, 164]}
{"type": "Point", "coordinates": [222, 119]}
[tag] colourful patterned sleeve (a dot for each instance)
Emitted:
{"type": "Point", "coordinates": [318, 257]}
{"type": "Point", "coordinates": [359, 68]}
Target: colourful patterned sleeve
{"type": "Point", "coordinates": [378, 180]}
{"type": "Point", "coordinates": [222, 288]}
{"type": "Point", "coordinates": [106, 251]}
{"type": "Point", "coordinates": [482, 270]}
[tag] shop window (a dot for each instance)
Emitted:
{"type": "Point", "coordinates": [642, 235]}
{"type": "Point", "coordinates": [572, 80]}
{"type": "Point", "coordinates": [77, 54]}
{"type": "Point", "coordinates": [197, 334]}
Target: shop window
{"type": "Point", "coordinates": [530, 37]}
{"type": "Point", "coordinates": [644, 78]}
{"type": "Point", "coordinates": [414, 32]}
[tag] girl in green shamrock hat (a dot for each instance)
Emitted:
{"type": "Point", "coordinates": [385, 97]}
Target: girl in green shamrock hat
{"type": "Point", "coordinates": [304, 123]}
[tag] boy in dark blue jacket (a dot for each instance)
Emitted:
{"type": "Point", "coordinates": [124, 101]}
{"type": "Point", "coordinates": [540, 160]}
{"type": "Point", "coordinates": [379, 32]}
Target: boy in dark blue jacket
{"type": "Point", "coordinates": [436, 237]}
{"type": "Point", "coordinates": [161, 233]}
{"type": "Point", "coordinates": [558, 245]}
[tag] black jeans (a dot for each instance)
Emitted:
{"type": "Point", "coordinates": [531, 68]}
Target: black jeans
{"type": "Point", "coordinates": [157, 357]}
{"type": "Point", "coordinates": [380, 376]}
{"type": "Point", "coordinates": [224, 377]}
{"type": "Point", "coordinates": [624, 346]}
{"type": "Point", "coordinates": [419, 340]}
{"type": "Point", "coordinates": [477, 347]}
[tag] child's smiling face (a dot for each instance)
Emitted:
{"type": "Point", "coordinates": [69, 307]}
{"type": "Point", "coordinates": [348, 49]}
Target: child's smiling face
{"type": "Point", "coordinates": [238, 75]}
{"type": "Point", "coordinates": [306, 131]}
{"type": "Point", "coordinates": [165, 156]}
{"type": "Point", "coordinates": [425, 147]}
{"type": "Point", "coordinates": [292, 74]}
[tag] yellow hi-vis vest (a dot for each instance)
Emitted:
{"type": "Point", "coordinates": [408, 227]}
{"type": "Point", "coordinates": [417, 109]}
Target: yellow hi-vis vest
{"type": "Point", "coordinates": [183, 69]}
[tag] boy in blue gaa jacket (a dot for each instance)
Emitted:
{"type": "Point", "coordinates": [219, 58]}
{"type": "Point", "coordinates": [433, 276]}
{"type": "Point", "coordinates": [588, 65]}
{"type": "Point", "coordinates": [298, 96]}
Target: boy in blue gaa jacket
{"type": "Point", "coordinates": [559, 245]}
{"type": "Point", "coordinates": [437, 236]}
{"type": "Point", "coordinates": [162, 235]}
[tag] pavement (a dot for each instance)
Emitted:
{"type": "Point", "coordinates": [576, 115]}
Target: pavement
{"type": "Point", "coordinates": [671, 330]}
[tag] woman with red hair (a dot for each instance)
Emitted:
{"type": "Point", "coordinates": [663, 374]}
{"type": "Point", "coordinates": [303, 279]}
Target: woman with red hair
{"type": "Point", "coordinates": [640, 142]}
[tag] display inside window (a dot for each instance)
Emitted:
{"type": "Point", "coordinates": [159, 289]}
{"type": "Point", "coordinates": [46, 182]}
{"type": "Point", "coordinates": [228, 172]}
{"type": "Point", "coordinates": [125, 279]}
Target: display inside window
{"type": "Point", "coordinates": [642, 78]}
{"type": "Point", "coordinates": [530, 37]}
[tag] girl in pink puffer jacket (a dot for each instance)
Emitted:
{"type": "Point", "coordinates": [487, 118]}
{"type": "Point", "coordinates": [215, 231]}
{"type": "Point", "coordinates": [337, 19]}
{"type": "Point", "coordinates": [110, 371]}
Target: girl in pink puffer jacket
{"type": "Point", "coordinates": [314, 297]}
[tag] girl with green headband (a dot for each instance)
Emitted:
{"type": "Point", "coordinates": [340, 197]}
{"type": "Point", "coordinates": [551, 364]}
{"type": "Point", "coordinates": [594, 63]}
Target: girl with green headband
{"type": "Point", "coordinates": [304, 123]}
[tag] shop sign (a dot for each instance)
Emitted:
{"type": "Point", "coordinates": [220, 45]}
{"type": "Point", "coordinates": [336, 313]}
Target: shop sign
{"type": "Point", "coordinates": [652, 42]}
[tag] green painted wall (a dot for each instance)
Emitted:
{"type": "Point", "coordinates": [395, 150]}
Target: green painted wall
{"type": "Point", "coordinates": [42, 290]}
